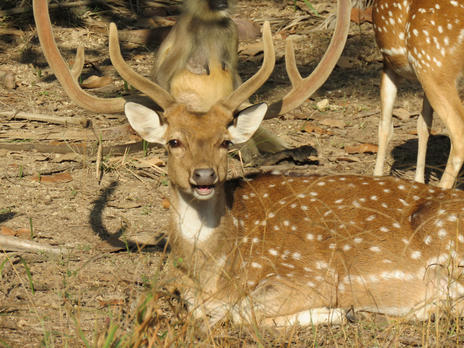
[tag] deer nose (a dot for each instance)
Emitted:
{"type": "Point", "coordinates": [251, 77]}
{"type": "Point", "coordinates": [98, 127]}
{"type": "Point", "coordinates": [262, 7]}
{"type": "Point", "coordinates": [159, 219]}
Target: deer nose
{"type": "Point", "coordinates": [204, 176]}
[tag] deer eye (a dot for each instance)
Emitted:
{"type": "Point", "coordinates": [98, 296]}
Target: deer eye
{"type": "Point", "coordinates": [226, 144]}
{"type": "Point", "coordinates": [174, 143]}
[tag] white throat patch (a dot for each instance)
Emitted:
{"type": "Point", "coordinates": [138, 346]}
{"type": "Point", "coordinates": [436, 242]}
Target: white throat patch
{"type": "Point", "coordinates": [197, 220]}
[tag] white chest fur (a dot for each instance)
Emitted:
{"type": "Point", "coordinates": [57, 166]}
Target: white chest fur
{"type": "Point", "coordinates": [196, 220]}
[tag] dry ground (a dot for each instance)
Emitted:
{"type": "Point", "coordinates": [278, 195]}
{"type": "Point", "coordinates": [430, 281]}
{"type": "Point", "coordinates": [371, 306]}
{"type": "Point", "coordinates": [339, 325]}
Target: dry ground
{"type": "Point", "coordinates": [75, 300]}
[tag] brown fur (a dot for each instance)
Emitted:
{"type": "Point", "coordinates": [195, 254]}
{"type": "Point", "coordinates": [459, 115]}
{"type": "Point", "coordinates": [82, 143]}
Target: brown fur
{"type": "Point", "coordinates": [294, 249]}
{"type": "Point", "coordinates": [197, 62]}
{"type": "Point", "coordinates": [423, 40]}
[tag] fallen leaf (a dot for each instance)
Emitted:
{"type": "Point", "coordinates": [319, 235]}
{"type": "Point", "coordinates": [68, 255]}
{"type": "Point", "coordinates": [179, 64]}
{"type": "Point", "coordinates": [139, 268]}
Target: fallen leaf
{"type": "Point", "coordinates": [345, 62]}
{"type": "Point", "coordinates": [252, 49]}
{"type": "Point", "coordinates": [22, 232]}
{"type": "Point", "coordinates": [67, 157]}
{"type": "Point", "coordinates": [149, 162]}
{"type": "Point", "coordinates": [310, 128]}
{"type": "Point", "coordinates": [348, 159]}
{"type": "Point", "coordinates": [360, 15]}
{"type": "Point", "coordinates": [114, 302]}
{"type": "Point", "coordinates": [432, 132]}
{"type": "Point", "coordinates": [402, 114]}
{"type": "Point", "coordinates": [361, 148]}
{"type": "Point", "coordinates": [165, 203]}
{"type": "Point", "coordinates": [53, 178]}
{"type": "Point", "coordinates": [96, 81]}
{"type": "Point", "coordinates": [331, 122]}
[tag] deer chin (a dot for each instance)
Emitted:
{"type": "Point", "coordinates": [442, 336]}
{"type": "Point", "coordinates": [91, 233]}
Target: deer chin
{"type": "Point", "coordinates": [203, 192]}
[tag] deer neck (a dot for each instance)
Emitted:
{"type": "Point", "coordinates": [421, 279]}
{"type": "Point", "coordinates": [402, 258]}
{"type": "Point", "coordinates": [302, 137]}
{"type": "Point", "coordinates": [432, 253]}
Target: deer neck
{"type": "Point", "coordinates": [195, 222]}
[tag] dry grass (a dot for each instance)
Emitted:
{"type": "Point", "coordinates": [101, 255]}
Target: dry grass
{"type": "Point", "coordinates": [162, 320]}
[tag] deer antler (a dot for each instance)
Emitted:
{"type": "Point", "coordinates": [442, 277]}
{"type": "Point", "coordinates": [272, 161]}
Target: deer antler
{"type": "Point", "coordinates": [304, 88]}
{"type": "Point", "coordinates": [67, 78]}
{"type": "Point", "coordinates": [78, 64]}
{"type": "Point", "coordinates": [246, 89]}
{"type": "Point", "coordinates": [150, 88]}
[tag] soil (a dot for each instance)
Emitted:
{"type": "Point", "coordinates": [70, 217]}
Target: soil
{"type": "Point", "coordinates": [113, 224]}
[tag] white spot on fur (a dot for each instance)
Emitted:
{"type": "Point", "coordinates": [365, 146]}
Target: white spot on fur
{"type": "Point", "coordinates": [415, 255]}
{"type": "Point", "coordinates": [256, 265]}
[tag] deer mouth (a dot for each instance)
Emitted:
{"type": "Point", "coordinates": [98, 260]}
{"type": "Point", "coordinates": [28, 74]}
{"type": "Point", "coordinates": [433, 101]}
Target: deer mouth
{"type": "Point", "coordinates": [203, 192]}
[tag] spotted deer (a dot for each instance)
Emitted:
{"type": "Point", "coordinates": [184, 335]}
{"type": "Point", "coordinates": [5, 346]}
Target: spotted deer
{"type": "Point", "coordinates": [422, 40]}
{"type": "Point", "coordinates": [282, 250]}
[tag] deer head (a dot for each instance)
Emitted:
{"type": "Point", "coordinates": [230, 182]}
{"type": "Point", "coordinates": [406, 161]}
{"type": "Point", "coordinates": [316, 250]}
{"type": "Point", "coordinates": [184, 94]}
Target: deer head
{"type": "Point", "coordinates": [197, 143]}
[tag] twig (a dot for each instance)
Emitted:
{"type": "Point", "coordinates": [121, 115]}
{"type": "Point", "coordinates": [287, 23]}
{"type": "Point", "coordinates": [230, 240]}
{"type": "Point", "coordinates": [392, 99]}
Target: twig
{"type": "Point", "coordinates": [82, 121]}
{"type": "Point", "coordinates": [367, 113]}
{"type": "Point", "coordinates": [9, 31]}
{"type": "Point", "coordinates": [16, 244]}
{"type": "Point", "coordinates": [98, 165]}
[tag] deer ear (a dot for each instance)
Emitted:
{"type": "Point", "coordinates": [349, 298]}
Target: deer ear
{"type": "Point", "coordinates": [146, 123]}
{"type": "Point", "coordinates": [247, 122]}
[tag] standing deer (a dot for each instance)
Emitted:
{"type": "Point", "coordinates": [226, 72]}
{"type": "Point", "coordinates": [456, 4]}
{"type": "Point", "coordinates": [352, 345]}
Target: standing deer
{"type": "Point", "coordinates": [422, 40]}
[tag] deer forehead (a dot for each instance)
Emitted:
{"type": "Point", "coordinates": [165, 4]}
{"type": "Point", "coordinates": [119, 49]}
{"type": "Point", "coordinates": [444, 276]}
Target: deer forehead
{"type": "Point", "coordinates": [200, 125]}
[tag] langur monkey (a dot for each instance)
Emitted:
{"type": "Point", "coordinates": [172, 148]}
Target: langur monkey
{"type": "Point", "coordinates": [197, 62]}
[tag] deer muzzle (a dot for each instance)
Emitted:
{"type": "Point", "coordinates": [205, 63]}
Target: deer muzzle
{"type": "Point", "coordinates": [203, 181]}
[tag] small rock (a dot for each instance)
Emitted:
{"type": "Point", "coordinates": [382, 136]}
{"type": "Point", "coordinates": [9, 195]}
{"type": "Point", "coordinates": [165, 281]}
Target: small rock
{"type": "Point", "coordinates": [402, 114]}
{"type": "Point", "coordinates": [7, 79]}
{"type": "Point", "coordinates": [323, 104]}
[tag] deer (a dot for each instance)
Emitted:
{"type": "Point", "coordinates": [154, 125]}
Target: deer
{"type": "Point", "coordinates": [280, 250]}
{"type": "Point", "coordinates": [422, 40]}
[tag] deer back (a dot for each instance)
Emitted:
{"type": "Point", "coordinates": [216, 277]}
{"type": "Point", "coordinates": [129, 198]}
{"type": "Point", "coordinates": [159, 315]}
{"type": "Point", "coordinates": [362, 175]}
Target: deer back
{"type": "Point", "coordinates": [424, 36]}
{"type": "Point", "coordinates": [347, 240]}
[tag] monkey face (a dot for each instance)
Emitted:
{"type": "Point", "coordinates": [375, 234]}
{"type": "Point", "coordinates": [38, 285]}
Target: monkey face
{"type": "Point", "coordinates": [208, 9]}
{"type": "Point", "coordinates": [218, 5]}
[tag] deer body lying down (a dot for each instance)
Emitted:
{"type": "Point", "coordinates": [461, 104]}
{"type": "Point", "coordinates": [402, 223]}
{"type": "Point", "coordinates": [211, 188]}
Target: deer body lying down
{"type": "Point", "coordinates": [286, 250]}
{"type": "Point", "coordinates": [283, 250]}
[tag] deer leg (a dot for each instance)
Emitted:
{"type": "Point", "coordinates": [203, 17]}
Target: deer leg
{"type": "Point", "coordinates": [446, 102]}
{"type": "Point", "coordinates": [313, 316]}
{"type": "Point", "coordinates": [282, 304]}
{"type": "Point", "coordinates": [388, 90]}
{"type": "Point", "coordinates": [424, 123]}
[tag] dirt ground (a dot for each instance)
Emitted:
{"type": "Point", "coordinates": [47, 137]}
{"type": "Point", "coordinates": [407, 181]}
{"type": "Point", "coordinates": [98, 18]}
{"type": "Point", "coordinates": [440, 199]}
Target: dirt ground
{"type": "Point", "coordinates": [49, 191]}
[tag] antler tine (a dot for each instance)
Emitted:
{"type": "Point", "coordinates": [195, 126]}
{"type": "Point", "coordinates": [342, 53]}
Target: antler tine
{"type": "Point", "coordinates": [78, 65]}
{"type": "Point", "coordinates": [151, 89]}
{"type": "Point", "coordinates": [246, 89]}
{"type": "Point", "coordinates": [61, 70]}
{"type": "Point", "coordinates": [304, 88]}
